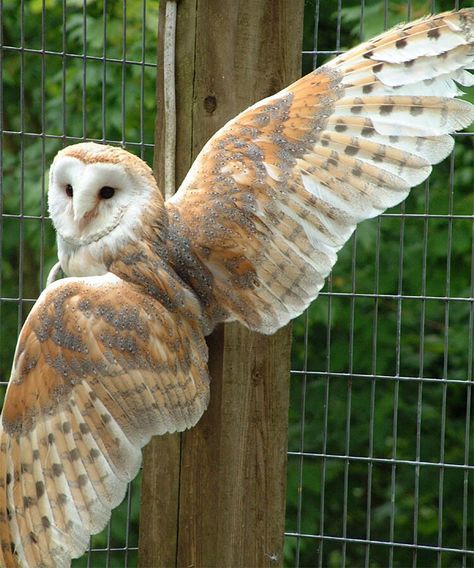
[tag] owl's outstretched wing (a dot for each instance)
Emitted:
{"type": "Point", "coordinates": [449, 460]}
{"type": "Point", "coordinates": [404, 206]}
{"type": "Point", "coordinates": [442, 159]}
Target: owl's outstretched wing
{"type": "Point", "coordinates": [99, 368]}
{"type": "Point", "coordinates": [276, 193]}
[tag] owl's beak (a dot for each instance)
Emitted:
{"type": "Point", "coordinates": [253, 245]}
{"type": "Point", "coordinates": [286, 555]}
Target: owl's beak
{"type": "Point", "coordinates": [83, 208]}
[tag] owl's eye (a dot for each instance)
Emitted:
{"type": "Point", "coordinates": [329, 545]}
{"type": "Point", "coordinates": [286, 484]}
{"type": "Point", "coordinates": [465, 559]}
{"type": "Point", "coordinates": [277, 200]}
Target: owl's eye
{"type": "Point", "coordinates": [106, 192]}
{"type": "Point", "coordinates": [69, 190]}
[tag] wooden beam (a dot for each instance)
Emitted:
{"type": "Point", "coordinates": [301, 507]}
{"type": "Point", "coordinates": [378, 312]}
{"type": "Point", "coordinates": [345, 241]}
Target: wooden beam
{"type": "Point", "coordinates": [233, 465]}
{"type": "Point", "coordinates": [161, 458]}
{"type": "Point", "coordinates": [218, 498]}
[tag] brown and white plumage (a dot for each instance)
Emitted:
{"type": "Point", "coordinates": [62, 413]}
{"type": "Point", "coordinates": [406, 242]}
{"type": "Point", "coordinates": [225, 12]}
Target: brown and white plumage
{"type": "Point", "coordinates": [100, 367]}
{"type": "Point", "coordinates": [293, 175]}
{"type": "Point", "coordinates": [116, 354]}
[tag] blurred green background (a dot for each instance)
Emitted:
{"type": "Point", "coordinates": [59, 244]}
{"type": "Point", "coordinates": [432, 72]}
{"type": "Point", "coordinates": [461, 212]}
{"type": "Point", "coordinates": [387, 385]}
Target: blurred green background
{"type": "Point", "coordinates": [383, 315]}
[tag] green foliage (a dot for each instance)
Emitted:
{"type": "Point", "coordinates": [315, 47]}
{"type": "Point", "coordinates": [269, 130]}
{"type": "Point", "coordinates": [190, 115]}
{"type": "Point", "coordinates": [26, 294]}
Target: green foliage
{"type": "Point", "coordinates": [350, 338]}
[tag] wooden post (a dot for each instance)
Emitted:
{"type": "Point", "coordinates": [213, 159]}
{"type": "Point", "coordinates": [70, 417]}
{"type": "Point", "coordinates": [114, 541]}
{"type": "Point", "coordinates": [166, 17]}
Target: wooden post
{"type": "Point", "coordinates": [216, 498]}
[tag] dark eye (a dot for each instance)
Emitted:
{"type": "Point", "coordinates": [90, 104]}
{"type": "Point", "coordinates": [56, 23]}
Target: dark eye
{"type": "Point", "coordinates": [106, 192]}
{"type": "Point", "coordinates": [69, 190]}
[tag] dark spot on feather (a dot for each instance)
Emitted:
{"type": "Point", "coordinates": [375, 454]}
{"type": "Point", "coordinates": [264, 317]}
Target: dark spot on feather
{"type": "Point", "coordinates": [94, 454]}
{"type": "Point", "coordinates": [368, 54]}
{"type": "Point", "coordinates": [27, 502]}
{"type": "Point", "coordinates": [409, 63]}
{"type": "Point", "coordinates": [66, 427]}
{"type": "Point", "coordinates": [51, 438]}
{"type": "Point", "coordinates": [93, 396]}
{"type": "Point", "coordinates": [39, 489]}
{"type": "Point", "coordinates": [385, 109]}
{"type": "Point", "coordinates": [84, 428]}
{"type": "Point", "coordinates": [36, 454]}
{"type": "Point", "coordinates": [74, 454]}
{"type": "Point", "coordinates": [357, 171]}
{"type": "Point", "coordinates": [82, 480]}
{"type": "Point", "coordinates": [340, 127]}
{"type": "Point", "coordinates": [9, 478]}
{"type": "Point", "coordinates": [33, 538]}
{"type": "Point", "coordinates": [377, 68]}
{"type": "Point", "coordinates": [85, 305]}
{"type": "Point", "coordinates": [324, 142]}
{"type": "Point", "coordinates": [105, 418]}
{"type": "Point", "coordinates": [57, 469]}
{"type": "Point", "coordinates": [45, 522]}
{"type": "Point", "coordinates": [356, 109]}
{"type": "Point", "coordinates": [367, 89]}
{"type": "Point", "coordinates": [394, 139]}
{"type": "Point", "coordinates": [434, 33]}
{"type": "Point", "coordinates": [401, 43]}
{"type": "Point", "coordinates": [416, 110]}
{"type": "Point", "coordinates": [367, 131]}
{"type": "Point", "coordinates": [62, 498]}
{"type": "Point", "coordinates": [25, 468]}
{"type": "Point", "coordinates": [332, 161]}
{"type": "Point", "coordinates": [351, 150]}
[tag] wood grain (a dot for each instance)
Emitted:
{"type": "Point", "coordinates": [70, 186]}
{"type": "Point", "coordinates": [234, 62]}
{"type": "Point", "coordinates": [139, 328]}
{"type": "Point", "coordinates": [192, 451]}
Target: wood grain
{"type": "Point", "coordinates": [233, 471]}
{"type": "Point", "coordinates": [161, 457]}
{"type": "Point", "coordinates": [227, 507]}
{"type": "Point", "coordinates": [159, 502]}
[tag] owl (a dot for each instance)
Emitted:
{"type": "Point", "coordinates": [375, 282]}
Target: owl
{"type": "Point", "coordinates": [115, 353]}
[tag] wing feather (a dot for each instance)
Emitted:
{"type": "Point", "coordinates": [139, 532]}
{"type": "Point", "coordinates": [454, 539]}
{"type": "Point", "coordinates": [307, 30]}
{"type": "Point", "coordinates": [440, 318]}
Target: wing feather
{"type": "Point", "coordinates": [100, 368]}
{"type": "Point", "coordinates": [276, 193]}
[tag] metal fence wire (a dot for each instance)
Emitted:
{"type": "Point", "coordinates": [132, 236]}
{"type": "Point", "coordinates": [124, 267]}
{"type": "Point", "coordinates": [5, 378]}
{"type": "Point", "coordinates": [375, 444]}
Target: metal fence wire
{"type": "Point", "coordinates": [70, 71]}
{"type": "Point", "coordinates": [381, 459]}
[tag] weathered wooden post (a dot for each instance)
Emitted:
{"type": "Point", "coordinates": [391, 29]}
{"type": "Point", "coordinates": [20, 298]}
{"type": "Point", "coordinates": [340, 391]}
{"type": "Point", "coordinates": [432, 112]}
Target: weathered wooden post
{"type": "Point", "coordinates": [215, 496]}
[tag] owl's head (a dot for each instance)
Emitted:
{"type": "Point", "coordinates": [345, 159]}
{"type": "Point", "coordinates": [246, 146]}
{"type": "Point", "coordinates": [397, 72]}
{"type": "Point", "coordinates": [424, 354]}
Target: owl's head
{"type": "Point", "coordinates": [98, 195]}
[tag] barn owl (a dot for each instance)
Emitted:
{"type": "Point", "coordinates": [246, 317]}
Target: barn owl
{"type": "Point", "coordinates": [115, 353]}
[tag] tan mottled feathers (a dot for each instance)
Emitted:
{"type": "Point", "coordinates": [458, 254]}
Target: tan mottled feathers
{"type": "Point", "coordinates": [100, 368]}
{"type": "Point", "coordinates": [90, 153]}
{"type": "Point", "coordinates": [278, 191]}
{"type": "Point", "coordinates": [116, 354]}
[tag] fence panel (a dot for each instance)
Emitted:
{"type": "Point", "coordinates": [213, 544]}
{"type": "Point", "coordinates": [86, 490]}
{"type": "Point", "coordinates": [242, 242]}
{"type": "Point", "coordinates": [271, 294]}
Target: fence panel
{"type": "Point", "coordinates": [380, 463]}
{"type": "Point", "coordinates": [381, 458]}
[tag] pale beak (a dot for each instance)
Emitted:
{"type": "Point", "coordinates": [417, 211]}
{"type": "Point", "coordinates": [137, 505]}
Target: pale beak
{"type": "Point", "coordinates": [84, 208]}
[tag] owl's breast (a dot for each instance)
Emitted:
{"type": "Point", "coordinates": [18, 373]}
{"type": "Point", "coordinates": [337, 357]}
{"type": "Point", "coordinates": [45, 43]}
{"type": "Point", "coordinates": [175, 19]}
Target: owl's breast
{"type": "Point", "coordinates": [80, 261]}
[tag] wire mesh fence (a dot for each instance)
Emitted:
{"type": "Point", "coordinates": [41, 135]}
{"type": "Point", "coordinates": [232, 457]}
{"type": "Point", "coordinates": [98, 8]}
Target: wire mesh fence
{"type": "Point", "coordinates": [381, 464]}
{"type": "Point", "coordinates": [381, 454]}
{"type": "Point", "coordinates": [69, 71]}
